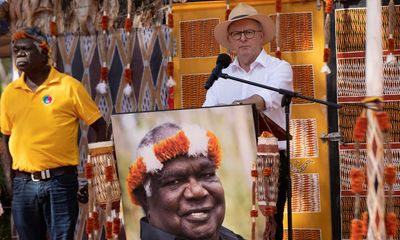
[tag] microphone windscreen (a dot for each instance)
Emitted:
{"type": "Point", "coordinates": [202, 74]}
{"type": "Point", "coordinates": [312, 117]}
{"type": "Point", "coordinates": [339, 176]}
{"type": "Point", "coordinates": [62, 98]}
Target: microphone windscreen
{"type": "Point", "coordinates": [224, 59]}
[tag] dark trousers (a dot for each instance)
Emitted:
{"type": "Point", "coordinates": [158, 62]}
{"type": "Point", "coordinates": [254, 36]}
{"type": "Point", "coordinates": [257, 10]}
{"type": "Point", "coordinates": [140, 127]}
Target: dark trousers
{"type": "Point", "coordinates": [45, 207]}
{"type": "Point", "coordinates": [282, 191]}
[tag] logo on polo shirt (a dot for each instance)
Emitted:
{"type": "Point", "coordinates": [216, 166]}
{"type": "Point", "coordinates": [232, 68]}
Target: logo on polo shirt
{"type": "Point", "coordinates": [47, 100]}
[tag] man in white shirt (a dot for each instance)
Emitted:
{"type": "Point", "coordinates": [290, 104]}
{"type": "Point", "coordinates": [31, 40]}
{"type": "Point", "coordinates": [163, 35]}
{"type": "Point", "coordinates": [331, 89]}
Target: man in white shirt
{"type": "Point", "coordinates": [246, 32]}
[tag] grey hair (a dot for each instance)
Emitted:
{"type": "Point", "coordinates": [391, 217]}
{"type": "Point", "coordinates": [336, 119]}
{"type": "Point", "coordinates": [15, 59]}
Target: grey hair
{"type": "Point", "coordinates": [147, 187]}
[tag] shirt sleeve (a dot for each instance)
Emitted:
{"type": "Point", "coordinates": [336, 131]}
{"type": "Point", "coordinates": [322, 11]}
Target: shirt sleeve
{"type": "Point", "coordinates": [5, 122]}
{"type": "Point", "coordinates": [211, 98]}
{"type": "Point", "coordinates": [85, 107]}
{"type": "Point", "coordinates": [282, 77]}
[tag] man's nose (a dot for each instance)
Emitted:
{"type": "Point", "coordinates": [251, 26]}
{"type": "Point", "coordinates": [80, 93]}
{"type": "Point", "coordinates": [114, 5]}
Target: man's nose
{"type": "Point", "coordinates": [243, 37]}
{"type": "Point", "coordinates": [195, 189]}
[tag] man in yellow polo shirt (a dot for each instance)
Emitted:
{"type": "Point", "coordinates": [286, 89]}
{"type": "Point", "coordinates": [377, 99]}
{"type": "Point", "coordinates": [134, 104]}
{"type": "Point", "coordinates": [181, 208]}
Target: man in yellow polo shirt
{"type": "Point", "coordinates": [40, 115]}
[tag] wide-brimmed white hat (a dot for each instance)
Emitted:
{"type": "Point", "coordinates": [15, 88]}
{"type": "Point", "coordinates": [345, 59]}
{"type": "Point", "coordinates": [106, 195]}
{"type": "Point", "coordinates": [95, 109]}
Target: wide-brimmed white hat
{"type": "Point", "coordinates": [243, 11]}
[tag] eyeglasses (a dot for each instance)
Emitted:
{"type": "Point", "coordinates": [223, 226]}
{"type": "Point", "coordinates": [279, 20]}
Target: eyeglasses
{"type": "Point", "coordinates": [249, 34]}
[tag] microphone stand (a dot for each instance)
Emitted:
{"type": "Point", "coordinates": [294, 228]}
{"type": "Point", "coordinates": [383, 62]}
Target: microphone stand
{"type": "Point", "coordinates": [287, 96]}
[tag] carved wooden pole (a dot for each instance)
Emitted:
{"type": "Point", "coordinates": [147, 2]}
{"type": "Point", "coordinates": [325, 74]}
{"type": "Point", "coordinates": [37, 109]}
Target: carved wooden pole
{"type": "Point", "coordinates": [375, 151]}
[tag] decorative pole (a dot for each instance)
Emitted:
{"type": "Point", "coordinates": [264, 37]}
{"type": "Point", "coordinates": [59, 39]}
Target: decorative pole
{"type": "Point", "coordinates": [228, 9]}
{"type": "Point", "coordinates": [102, 85]}
{"type": "Point", "coordinates": [278, 9]}
{"type": "Point", "coordinates": [327, 36]}
{"type": "Point", "coordinates": [170, 65]}
{"type": "Point", "coordinates": [392, 24]}
{"type": "Point", "coordinates": [374, 100]}
{"type": "Point", "coordinates": [128, 70]}
{"type": "Point", "coordinates": [54, 33]}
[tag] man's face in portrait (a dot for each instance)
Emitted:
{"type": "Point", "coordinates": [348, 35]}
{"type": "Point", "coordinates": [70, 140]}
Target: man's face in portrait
{"type": "Point", "coordinates": [187, 199]}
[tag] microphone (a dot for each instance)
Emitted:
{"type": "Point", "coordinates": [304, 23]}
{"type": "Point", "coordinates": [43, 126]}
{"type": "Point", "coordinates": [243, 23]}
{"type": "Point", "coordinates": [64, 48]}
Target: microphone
{"type": "Point", "coordinates": [223, 61]}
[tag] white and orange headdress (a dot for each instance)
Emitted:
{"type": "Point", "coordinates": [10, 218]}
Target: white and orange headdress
{"type": "Point", "coordinates": [191, 141]}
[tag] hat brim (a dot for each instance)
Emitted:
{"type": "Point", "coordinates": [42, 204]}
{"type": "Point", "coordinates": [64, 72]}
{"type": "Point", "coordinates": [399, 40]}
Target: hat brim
{"type": "Point", "coordinates": [221, 30]}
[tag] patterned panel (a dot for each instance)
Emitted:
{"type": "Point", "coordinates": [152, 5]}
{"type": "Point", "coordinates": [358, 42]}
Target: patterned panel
{"type": "Point", "coordinates": [87, 48]}
{"type": "Point", "coordinates": [80, 56]}
{"type": "Point", "coordinates": [303, 82]}
{"type": "Point", "coordinates": [193, 92]}
{"type": "Point", "coordinates": [348, 160]}
{"type": "Point", "coordinates": [164, 91]}
{"type": "Point", "coordinates": [147, 35]}
{"type": "Point", "coordinates": [351, 77]}
{"type": "Point", "coordinates": [160, 103]}
{"type": "Point", "coordinates": [306, 194]}
{"type": "Point", "coordinates": [296, 33]}
{"type": "Point", "coordinates": [137, 69]}
{"type": "Point", "coordinates": [155, 61]}
{"type": "Point", "coordinates": [351, 89]}
{"type": "Point", "coordinates": [104, 103]}
{"type": "Point", "coordinates": [349, 113]}
{"type": "Point", "coordinates": [116, 74]}
{"type": "Point", "coordinates": [304, 142]}
{"type": "Point", "coordinates": [347, 207]}
{"type": "Point", "coordinates": [107, 51]}
{"type": "Point", "coordinates": [60, 63]}
{"type": "Point", "coordinates": [67, 46]}
{"type": "Point", "coordinates": [125, 43]}
{"type": "Point", "coordinates": [304, 234]}
{"type": "Point", "coordinates": [127, 105]}
{"type": "Point", "coordinates": [77, 65]}
{"type": "Point", "coordinates": [146, 104]}
{"type": "Point", "coordinates": [347, 119]}
{"type": "Point", "coordinates": [385, 27]}
{"type": "Point", "coordinates": [94, 71]}
{"type": "Point", "coordinates": [350, 29]}
{"type": "Point", "coordinates": [165, 37]}
{"type": "Point", "coordinates": [197, 38]}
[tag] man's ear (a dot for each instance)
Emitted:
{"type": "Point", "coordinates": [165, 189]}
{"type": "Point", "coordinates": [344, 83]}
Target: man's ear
{"type": "Point", "coordinates": [141, 197]}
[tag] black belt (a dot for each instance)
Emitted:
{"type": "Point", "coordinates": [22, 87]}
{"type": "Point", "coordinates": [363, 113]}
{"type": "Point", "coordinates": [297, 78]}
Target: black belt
{"type": "Point", "coordinates": [47, 174]}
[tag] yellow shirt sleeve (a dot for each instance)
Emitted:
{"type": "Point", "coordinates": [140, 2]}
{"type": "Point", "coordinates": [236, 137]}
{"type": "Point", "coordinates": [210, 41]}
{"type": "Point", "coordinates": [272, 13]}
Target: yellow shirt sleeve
{"type": "Point", "coordinates": [85, 107]}
{"type": "Point", "coordinates": [5, 122]}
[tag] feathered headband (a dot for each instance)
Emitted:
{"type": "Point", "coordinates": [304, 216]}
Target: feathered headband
{"type": "Point", "coordinates": [192, 141]}
{"type": "Point", "coordinates": [32, 33]}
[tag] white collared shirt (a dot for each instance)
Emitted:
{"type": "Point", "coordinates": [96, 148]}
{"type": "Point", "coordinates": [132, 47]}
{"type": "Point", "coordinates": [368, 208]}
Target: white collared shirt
{"type": "Point", "coordinates": [266, 70]}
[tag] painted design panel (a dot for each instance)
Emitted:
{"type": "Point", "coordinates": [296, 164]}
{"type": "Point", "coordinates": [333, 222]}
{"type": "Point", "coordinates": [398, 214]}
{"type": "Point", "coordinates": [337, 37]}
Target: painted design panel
{"type": "Point", "coordinates": [193, 92]}
{"type": "Point", "coordinates": [304, 143]}
{"type": "Point", "coordinates": [197, 38]}
{"type": "Point", "coordinates": [296, 33]}
{"type": "Point", "coordinates": [303, 82]}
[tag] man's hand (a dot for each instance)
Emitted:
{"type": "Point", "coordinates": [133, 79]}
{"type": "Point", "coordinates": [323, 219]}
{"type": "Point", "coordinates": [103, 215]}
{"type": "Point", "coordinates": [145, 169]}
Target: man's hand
{"type": "Point", "coordinates": [254, 99]}
{"type": "Point", "coordinates": [100, 129]}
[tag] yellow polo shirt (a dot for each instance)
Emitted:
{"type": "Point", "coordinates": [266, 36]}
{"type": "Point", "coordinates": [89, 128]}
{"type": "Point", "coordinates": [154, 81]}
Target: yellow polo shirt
{"type": "Point", "coordinates": [43, 125]}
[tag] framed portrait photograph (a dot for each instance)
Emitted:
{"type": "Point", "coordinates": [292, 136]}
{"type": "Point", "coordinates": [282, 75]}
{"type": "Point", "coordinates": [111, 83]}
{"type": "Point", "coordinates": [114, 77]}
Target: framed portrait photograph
{"type": "Point", "coordinates": [145, 143]}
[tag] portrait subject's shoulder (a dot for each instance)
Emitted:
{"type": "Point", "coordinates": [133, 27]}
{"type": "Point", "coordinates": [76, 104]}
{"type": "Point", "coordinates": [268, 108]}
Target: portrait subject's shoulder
{"type": "Point", "coordinates": [228, 234]}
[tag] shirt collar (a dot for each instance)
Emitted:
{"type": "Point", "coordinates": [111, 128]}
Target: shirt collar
{"type": "Point", "coordinates": [52, 78]}
{"type": "Point", "coordinates": [147, 231]}
{"type": "Point", "coordinates": [261, 59]}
